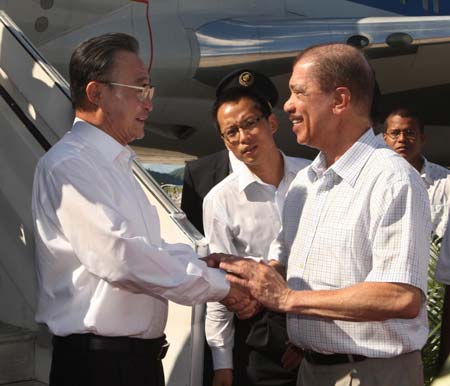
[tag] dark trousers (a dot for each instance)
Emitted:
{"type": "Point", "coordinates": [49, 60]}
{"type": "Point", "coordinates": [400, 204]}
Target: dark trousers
{"type": "Point", "coordinates": [254, 367]}
{"type": "Point", "coordinates": [76, 364]}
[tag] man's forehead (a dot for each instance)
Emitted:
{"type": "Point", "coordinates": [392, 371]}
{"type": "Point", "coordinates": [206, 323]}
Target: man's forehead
{"type": "Point", "coordinates": [305, 64]}
{"type": "Point", "coordinates": [302, 71]}
{"type": "Point", "coordinates": [396, 120]}
{"type": "Point", "coordinates": [245, 104]}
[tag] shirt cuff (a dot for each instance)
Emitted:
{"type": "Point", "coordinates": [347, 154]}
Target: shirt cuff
{"type": "Point", "coordinates": [442, 272]}
{"type": "Point", "coordinates": [257, 259]}
{"type": "Point", "coordinates": [219, 285]}
{"type": "Point", "coordinates": [222, 358]}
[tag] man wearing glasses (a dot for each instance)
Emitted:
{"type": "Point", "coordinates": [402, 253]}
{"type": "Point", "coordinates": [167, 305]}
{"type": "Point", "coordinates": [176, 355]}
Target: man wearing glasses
{"type": "Point", "coordinates": [404, 133]}
{"type": "Point", "coordinates": [241, 216]}
{"type": "Point", "coordinates": [104, 273]}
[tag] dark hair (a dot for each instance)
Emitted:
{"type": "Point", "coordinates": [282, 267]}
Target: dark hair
{"type": "Point", "coordinates": [235, 95]}
{"type": "Point", "coordinates": [405, 112]}
{"type": "Point", "coordinates": [93, 59]}
{"type": "Point", "coordinates": [341, 65]}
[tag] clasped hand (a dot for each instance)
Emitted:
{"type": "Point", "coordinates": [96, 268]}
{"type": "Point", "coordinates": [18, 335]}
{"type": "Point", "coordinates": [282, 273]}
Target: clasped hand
{"type": "Point", "coordinates": [239, 300]}
{"type": "Point", "coordinates": [262, 281]}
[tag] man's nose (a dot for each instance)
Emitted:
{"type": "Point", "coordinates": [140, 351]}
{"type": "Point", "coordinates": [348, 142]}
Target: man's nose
{"type": "Point", "coordinates": [288, 105]}
{"type": "Point", "coordinates": [148, 104]}
{"type": "Point", "coordinates": [402, 137]}
{"type": "Point", "coordinates": [244, 135]}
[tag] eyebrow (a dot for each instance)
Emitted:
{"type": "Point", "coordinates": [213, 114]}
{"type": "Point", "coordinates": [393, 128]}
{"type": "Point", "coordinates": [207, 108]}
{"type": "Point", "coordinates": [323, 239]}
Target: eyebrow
{"type": "Point", "coordinates": [297, 88]}
{"type": "Point", "coordinates": [143, 79]}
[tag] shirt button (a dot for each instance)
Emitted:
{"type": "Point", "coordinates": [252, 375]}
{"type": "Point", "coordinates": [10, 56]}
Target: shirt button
{"type": "Point", "coordinates": [301, 265]}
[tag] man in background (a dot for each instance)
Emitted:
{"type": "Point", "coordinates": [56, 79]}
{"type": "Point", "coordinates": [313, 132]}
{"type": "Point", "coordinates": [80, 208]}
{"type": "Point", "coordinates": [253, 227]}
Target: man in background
{"type": "Point", "coordinates": [200, 176]}
{"type": "Point", "coordinates": [404, 133]}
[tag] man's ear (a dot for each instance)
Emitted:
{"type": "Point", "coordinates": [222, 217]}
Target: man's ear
{"type": "Point", "coordinates": [227, 146]}
{"type": "Point", "coordinates": [94, 92]}
{"type": "Point", "coordinates": [225, 143]}
{"type": "Point", "coordinates": [341, 99]}
{"type": "Point", "coordinates": [273, 122]}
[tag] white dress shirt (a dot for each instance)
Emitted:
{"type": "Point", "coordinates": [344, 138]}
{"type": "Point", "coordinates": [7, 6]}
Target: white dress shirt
{"type": "Point", "coordinates": [234, 162]}
{"type": "Point", "coordinates": [241, 216]}
{"type": "Point", "coordinates": [102, 265]}
{"type": "Point", "coordinates": [364, 219]}
{"type": "Point", "coordinates": [437, 181]}
{"type": "Point", "coordinates": [442, 272]}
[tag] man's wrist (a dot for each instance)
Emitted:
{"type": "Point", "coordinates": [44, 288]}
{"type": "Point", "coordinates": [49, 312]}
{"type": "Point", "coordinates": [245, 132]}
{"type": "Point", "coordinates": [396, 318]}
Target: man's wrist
{"type": "Point", "coordinates": [278, 267]}
{"type": "Point", "coordinates": [290, 298]}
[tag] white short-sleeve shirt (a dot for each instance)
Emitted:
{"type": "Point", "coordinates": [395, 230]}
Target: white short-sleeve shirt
{"type": "Point", "coordinates": [365, 218]}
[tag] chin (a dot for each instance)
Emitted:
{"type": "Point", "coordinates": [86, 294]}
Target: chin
{"type": "Point", "coordinates": [302, 140]}
{"type": "Point", "coordinates": [405, 154]}
{"type": "Point", "coordinates": [300, 136]}
{"type": "Point", "coordinates": [140, 133]}
{"type": "Point", "coordinates": [248, 160]}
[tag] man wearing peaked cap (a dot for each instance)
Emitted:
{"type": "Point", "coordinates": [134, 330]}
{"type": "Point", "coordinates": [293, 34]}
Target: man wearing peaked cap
{"type": "Point", "coordinates": [241, 215]}
{"type": "Point", "coordinates": [201, 175]}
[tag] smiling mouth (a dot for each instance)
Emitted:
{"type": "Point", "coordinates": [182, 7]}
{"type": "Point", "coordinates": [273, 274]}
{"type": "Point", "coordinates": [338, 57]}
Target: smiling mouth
{"type": "Point", "coordinates": [296, 120]}
{"type": "Point", "coordinates": [248, 150]}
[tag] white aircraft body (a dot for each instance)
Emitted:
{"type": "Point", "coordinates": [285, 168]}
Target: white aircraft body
{"type": "Point", "coordinates": [194, 43]}
{"type": "Point", "coordinates": [189, 46]}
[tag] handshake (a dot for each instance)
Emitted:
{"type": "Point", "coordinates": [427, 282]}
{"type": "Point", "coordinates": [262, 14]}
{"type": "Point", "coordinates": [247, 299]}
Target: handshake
{"type": "Point", "coordinates": [253, 285]}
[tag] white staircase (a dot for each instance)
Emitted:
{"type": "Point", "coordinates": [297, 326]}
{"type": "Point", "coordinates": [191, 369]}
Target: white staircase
{"type": "Point", "coordinates": [17, 349]}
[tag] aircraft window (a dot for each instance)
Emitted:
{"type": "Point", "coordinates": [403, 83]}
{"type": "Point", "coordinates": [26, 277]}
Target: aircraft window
{"type": "Point", "coordinates": [436, 6]}
{"type": "Point", "coordinates": [46, 4]}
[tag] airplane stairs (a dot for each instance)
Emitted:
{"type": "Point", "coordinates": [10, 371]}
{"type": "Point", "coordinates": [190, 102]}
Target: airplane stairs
{"type": "Point", "coordinates": [17, 356]}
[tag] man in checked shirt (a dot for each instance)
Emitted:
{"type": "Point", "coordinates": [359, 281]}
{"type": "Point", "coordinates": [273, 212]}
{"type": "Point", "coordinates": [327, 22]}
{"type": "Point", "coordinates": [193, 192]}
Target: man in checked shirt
{"type": "Point", "coordinates": [355, 236]}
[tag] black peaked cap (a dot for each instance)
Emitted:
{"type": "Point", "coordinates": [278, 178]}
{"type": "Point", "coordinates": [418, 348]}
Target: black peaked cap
{"type": "Point", "coordinates": [251, 80]}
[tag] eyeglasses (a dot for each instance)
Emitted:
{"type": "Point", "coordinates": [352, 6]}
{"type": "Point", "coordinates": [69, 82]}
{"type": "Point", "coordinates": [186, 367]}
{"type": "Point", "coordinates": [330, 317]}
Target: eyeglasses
{"type": "Point", "coordinates": [410, 134]}
{"type": "Point", "coordinates": [232, 133]}
{"type": "Point", "coordinates": [146, 92]}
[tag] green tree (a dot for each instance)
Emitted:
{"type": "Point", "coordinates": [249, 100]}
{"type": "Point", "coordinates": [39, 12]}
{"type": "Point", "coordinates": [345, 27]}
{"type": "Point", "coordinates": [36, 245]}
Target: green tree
{"type": "Point", "coordinates": [435, 302]}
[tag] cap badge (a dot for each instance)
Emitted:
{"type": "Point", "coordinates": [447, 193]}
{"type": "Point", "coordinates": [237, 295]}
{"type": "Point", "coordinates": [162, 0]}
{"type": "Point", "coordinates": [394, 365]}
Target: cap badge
{"type": "Point", "coordinates": [246, 79]}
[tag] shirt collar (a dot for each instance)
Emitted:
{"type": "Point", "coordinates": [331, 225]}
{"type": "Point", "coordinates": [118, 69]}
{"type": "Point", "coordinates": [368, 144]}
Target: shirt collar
{"type": "Point", "coordinates": [349, 166]}
{"type": "Point", "coordinates": [425, 173]}
{"type": "Point", "coordinates": [246, 177]}
{"type": "Point", "coordinates": [106, 145]}
{"type": "Point", "coordinates": [235, 164]}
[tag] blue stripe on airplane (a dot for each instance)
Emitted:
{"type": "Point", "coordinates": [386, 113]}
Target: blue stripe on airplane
{"type": "Point", "coordinates": [410, 7]}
